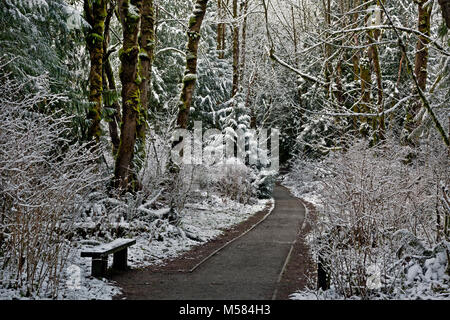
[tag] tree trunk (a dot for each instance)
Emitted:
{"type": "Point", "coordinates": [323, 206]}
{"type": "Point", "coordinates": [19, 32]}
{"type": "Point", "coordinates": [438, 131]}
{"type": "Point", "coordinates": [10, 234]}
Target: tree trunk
{"type": "Point", "coordinates": [131, 103]}
{"type": "Point", "coordinates": [328, 68]}
{"type": "Point", "coordinates": [95, 14]}
{"type": "Point", "coordinates": [356, 62]}
{"type": "Point", "coordinates": [109, 86]}
{"type": "Point", "coordinates": [235, 87]}
{"type": "Point", "coordinates": [365, 75]}
{"type": "Point", "coordinates": [379, 127]}
{"type": "Point", "coordinates": [221, 29]}
{"type": "Point", "coordinates": [421, 60]}
{"type": "Point", "coordinates": [114, 105]}
{"type": "Point", "coordinates": [190, 73]}
{"type": "Point", "coordinates": [244, 10]}
{"type": "Point", "coordinates": [147, 47]}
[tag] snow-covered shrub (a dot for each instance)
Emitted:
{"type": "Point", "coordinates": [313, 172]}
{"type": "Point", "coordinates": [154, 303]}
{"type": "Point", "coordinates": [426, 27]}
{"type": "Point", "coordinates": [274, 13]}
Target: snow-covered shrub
{"type": "Point", "coordinates": [233, 180]}
{"type": "Point", "coordinates": [157, 155]}
{"type": "Point", "coordinates": [264, 184]}
{"type": "Point", "coordinates": [319, 135]}
{"type": "Point", "coordinates": [378, 218]}
{"type": "Point", "coordinates": [43, 179]}
{"type": "Point", "coordinates": [230, 178]}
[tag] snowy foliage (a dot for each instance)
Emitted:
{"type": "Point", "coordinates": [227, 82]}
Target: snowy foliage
{"type": "Point", "coordinates": [335, 85]}
{"type": "Point", "coordinates": [378, 210]}
{"type": "Point", "coordinates": [43, 181]}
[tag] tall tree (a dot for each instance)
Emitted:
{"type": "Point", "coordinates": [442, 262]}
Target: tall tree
{"type": "Point", "coordinates": [356, 57]}
{"type": "Point", "coordinates": [235, 87]}
{"type": "Point", "coordinates": [95, 14]}
{"type": "Point", "coordinates": [190, 73]}
{"type": "Point", "coordinates": [146, 55]}
{"type": "Point", "coordinates": [131, 95]}
{"type": "Point", "coordinates": [421, 60]}
{"type": "Point", "coordinates": [327, 66]}
{"type": "Point", "coordinates": [244, 10]}
{"type": "Point", "coordinates": [374, 37]}
{"type": "Point", "coordinates": [110, 99]}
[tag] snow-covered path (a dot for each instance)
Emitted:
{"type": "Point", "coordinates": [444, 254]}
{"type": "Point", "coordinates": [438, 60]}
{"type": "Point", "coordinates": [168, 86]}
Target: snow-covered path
{"type": "Point", "coordinates": [248, 268]}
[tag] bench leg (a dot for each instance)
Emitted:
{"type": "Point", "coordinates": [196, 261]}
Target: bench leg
{"type": "Point", "coordinates": [120, 259]}
{"type": "Point", "coordinates": [99, 267]}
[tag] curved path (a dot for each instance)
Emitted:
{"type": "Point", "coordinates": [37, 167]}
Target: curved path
{"type": "Point", "coordinates": [248, 268]}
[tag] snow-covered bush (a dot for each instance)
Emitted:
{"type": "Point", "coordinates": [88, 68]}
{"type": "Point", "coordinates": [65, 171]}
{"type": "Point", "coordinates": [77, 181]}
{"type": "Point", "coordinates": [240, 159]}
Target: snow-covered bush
{"type": "Point", "coordinates": [43, 179]}
{"type": "Point", "coordinates": [377, 219]}
{"type": "Point", "coordinates": [264, 183]}
{"type": "Point", "coordinates": [230, 179]}
{"type": "Point", "coordinates": [157, 155]}
{"type": "Point", "coordinates": [233, 180]}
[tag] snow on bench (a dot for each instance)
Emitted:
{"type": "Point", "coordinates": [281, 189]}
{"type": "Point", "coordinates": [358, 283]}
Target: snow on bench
{"type": "Point", "coordinates": [99, 255]}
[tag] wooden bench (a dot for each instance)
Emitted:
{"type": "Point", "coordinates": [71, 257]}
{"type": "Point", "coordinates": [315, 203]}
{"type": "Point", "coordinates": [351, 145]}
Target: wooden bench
{"type": "Point", "coordinates": [99, 255]}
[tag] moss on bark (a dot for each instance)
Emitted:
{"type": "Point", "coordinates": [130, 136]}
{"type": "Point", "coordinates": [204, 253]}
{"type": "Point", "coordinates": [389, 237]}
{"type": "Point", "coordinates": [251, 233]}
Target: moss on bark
{"type": "Point", "coordinates": [95, 14]}
{"type": "Point", "coordinates": [131, 95]}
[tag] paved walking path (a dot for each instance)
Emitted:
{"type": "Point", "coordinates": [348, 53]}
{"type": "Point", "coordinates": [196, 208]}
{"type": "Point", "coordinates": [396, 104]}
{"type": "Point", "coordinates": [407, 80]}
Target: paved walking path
{"type": "Point", "coordinates": [248, 268]}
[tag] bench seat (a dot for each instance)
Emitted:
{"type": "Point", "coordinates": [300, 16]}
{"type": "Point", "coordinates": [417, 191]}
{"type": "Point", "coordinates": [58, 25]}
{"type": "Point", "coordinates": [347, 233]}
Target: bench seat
{"type": "Point", "coordinates": [99, 255]}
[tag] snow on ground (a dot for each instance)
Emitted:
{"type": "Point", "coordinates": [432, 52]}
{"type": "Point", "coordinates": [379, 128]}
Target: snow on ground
{"type": "Point", "coordinates": [304, 182]}
{"type": "Point", "coordinates": [205, 220]}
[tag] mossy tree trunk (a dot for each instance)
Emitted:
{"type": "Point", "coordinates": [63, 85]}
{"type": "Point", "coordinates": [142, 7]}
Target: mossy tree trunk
{"type": "Point", "coordinates": [421, 60]}
{"type": "Point", "coordinates": [131, 96]}
{"type": "Point", "coordinates": [187, 91]}
{"type": "Point", "coordinates": [146, 55]}
{"type": "Point", "coordinates": [95, 15]}
{"type": "Point", "coordinates": [190, 73]}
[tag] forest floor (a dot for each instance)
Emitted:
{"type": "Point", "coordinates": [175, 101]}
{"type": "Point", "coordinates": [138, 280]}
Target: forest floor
{"type": "Point", "coordinates": [269, 261]}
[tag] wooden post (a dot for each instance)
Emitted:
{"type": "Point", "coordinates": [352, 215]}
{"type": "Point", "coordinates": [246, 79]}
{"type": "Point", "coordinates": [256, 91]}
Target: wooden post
{"type": "Point", "coordinates": [322, 276]}
{"type": "Point", "coordinates": [323, 279]}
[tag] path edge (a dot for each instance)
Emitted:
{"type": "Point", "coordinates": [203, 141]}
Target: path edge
{"type": "Point", "coordinates": [234, 239]}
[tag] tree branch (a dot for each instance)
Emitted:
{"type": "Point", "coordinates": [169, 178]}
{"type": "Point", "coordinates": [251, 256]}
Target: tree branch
{"type": "Point", "coordinates": [419, 90]}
